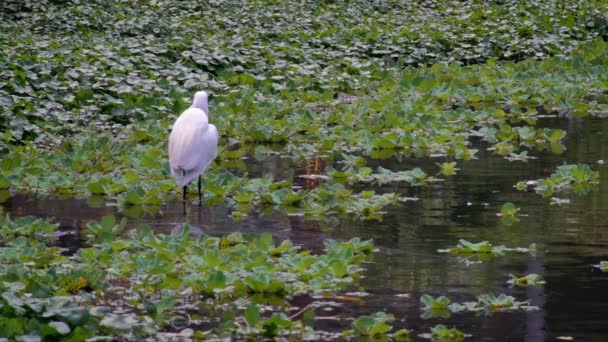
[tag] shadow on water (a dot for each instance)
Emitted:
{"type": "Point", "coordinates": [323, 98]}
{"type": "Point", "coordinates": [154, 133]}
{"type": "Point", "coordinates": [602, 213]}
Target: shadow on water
{"type": "Point", "coordinates": [570, 239]}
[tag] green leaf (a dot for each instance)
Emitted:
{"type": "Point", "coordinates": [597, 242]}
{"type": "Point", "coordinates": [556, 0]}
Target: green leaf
{"type": "Point", "coordinates": [339, 268]}
{"type": "Point", "coordinates": [363, 325]}
{"type": "Point", "coordinates": [119, 322]}
{"type": "Point", "coordinates": [403, 335]}
{"type": "Point", "coordinates": [5, 183]}
{"type": "Point", "coordinates": [252, 315]}
{"type": "Point", "coordinates": [96, 188]}
{"type": "Point", "coordinates": [216, 280]}
{"type": "Point", "coordinates": [11, 327]}
{"type": "Point", "coordinates": [438, 303]}
{"type": "Point", "coordinates": [374, 325]}
{"type": "Point", "coordinates": [509, 209]}
{"type": "Point", "coordinates": [60, 327]}
{"type": "Point", "coordinates": [275, 323]}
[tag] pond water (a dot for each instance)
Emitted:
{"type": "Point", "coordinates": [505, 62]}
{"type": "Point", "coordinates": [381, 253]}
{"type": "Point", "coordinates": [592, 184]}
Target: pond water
{"type": "Point", "coordinates": [569, 238]}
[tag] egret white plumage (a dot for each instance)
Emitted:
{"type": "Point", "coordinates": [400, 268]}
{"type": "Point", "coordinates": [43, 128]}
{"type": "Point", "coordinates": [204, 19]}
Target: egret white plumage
{"type": "Point", "coordinates": [192, 143]}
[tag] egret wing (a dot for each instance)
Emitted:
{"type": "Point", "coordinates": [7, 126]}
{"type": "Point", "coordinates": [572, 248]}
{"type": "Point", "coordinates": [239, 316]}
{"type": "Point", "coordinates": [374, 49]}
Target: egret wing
{"type": "Point", "coordinates": [209, 146]}
{"type": "Point", "coordinates": [187, 138]}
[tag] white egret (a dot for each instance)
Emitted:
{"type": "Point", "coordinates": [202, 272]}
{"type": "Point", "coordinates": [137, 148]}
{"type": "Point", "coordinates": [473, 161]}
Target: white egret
{"type": "Point", "coordinates": [192, 143]}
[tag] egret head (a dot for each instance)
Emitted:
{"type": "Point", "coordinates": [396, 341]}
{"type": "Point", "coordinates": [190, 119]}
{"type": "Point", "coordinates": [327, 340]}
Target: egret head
{"type": "Point", "coordinates": [200, 101]}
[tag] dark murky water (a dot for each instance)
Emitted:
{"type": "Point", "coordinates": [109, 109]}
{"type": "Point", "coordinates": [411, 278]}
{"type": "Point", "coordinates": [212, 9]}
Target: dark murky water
{"type": "Point", "coordinates": [570, 239]}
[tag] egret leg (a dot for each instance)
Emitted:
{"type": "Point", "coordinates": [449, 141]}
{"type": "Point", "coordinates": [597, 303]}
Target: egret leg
{"type": "Point", "coordinates": [200, 199]}
{"type": "Point", "coordinates": [184, 201]}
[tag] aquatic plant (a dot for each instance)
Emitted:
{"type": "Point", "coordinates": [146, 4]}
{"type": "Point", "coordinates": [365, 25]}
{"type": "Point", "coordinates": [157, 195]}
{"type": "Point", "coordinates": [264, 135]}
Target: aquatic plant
{"type": "Point", "coordinates": [373, 326]}
{"type": "Point", "coordinates": [137, 175]}
{"type": "Point", "coordinates": [440, 302]}
{"type": "Point", "coordinates": [507, 214]}
{"type": "Point", "coordinates": [466, 247]}
{"type": "Point", "coordinates": [483, 251]}
{"type": "Point", "coordinates": [106, 230]}
{"type": "Point", "coordinates": [76, 69]}
{"type": "Point", "coordinates": [366, 175]}
{"type": "Point", "coordinates": [435, 307]}
{"type": "Point", "coordinates": [278, 324]}
{"type": "Point", "coordinates": [509, 210]}
{"type": "Point", "coordinates": [403, 335]}
{"type": "Point", "coordinates": [603, 266]}
{"type": "Point", "coordinates": [575, 177]}
{"type": "Point", "coordinates": [442, 333]}
{"type": "Point", "coordinates": [28, 226]}
{"type": "Point", "coordinates": [86, 103]}
{"type": "Point", "coordinates": [133, 285]}
{"type": "Point", "coordinates": [448, 169]}
{"type": "Point", "coordinates": [532, 279]}
{"type": "Point", "coordinates": [489, 303]}
{"type": "Point", "coordinates": [388, 118]}
{"type": "Point", "coordinates": [502, 302]}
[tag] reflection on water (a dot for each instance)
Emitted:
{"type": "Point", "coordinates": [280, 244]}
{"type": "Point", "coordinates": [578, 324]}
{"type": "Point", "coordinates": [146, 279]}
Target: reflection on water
{"type": "Point", "coordinates": [569, 239]}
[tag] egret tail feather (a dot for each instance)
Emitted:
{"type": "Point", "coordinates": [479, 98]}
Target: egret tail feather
{"type": "Point", "coordinates": [184, 177]}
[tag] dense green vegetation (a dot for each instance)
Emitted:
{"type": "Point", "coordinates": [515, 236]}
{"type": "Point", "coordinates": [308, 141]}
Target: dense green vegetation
{"type": "Point", "coordinates": [136, 285]}
{"type": "Point", "coordinates": [89, 90]}
{"type": "Point", "coordinates": [103, 64]}
{"type": "Point", "coordinates": [433, 111]}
